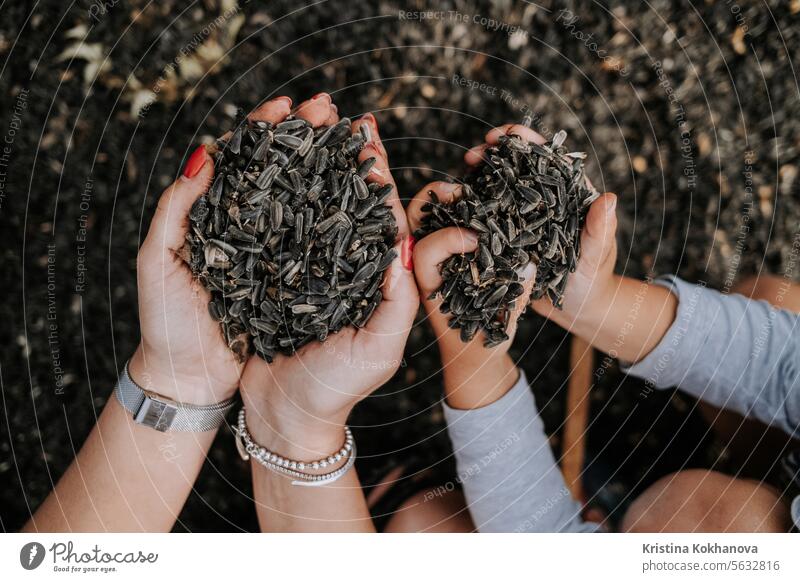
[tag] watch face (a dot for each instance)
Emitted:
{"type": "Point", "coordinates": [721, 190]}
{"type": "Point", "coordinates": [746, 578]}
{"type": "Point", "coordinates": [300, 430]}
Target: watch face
{"type": "Point", "coordinates": [156, 414]}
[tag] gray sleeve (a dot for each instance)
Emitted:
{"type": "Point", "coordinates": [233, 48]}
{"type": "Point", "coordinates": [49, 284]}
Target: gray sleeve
{"type": "Point", "coordinates": [731, 352]}
{"type": "Point", "coordinates": [510, 478]}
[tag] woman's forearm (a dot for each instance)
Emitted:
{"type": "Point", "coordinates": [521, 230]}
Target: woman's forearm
{"type": "Point", "coordinates": [283, 507]}
{"type": "Point", "coordinates": [126, 478]}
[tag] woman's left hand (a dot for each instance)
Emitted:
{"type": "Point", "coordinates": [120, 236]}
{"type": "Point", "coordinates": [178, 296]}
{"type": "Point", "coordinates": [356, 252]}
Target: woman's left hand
{"type": "Point", "coordinates": [182, 354]}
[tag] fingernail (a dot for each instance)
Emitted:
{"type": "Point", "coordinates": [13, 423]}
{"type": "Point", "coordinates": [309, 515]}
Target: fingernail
{"type": "Point", "coordinates": [195, 162]}
{"type": "Point", "coordinates": [611, 206]}
{"type": "Point", "coordinates": [320, 95]}
{"type": "Point", "coordinates": [369, 118]}
{"type": "Point", "coordinates": [288, 100]}
{"type": "Point", "coordinates": [366, 131]}
{"type": "Point", "coordinates": [335, 109]}
{"type": "Point", "coordinates": [407, 252]}
{"type": "Point", "coordinates": [450, 187]}
{"type": "Point", "coordinates": [471, 237]}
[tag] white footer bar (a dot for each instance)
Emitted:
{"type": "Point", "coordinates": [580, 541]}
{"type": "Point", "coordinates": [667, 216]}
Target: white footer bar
{"type": "Point", "coordinates": [406, 558]}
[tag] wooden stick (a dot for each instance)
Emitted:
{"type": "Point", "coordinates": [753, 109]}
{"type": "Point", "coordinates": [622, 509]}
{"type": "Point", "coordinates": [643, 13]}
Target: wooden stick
{"type": "Point", "coordinates": [581, 362]}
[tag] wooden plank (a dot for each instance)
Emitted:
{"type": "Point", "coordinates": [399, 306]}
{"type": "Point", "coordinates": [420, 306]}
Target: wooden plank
{"type": "Point", "coordinates": [573, 452]}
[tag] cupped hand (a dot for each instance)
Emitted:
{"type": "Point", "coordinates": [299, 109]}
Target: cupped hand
{"type": "Point", "coordinates": [182, 354]}
{"type": "Point", "coordinates": [298, 404]}
{"type": "Point", "coordinates": [474, 374]}
{"type": "Point", "coordinates": [592, 285]}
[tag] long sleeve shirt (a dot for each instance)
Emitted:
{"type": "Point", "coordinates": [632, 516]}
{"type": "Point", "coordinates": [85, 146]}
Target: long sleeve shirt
{"type": "Point", "coordinates": [727, 350]}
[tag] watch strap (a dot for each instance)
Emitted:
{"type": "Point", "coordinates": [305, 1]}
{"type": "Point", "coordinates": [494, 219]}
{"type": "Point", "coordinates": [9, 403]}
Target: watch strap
{"type": "Point", "coordinates": [166, 415]}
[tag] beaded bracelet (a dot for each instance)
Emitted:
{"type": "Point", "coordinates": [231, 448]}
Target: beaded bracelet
{"type": "Point", "coordinates": [248, 448]}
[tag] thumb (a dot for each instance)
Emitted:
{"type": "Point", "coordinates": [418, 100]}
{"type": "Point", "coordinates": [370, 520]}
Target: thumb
{"type": "Point", "coordinates": [598, 239]}
{"type": "Point", "coordinates": [528, 275]}
{"type": "Point", "coordinates": [171, 220]}
{"type": "Point", "coordinates": [436, 248]}
{"type": "Point", "coordinates": [396, 313]}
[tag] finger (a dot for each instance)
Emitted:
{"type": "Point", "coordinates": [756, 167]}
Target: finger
{"type": "Point", "coordinates": [333, 118]}
{"type": "Point", "coordinates": [316, 110]}
{"type": "Point", "coordinates": [598, 238]}
{"type": "Point", "coordinates": [525, 133]}
{"type": "Point", "coordinates": [374, 138]}
{"type": "Point", "coordinates": [273, 111]}
{"type": "Point", "coordinates": [528, 275]}
{"type": "Point", "coordinates": [380, 173]}
{"type": "Point", "coordinates": [476, 155]}
{"type": "Point", "coordinates": [446, 192]}
{"type": "Point", "coordinates": [395, 315]}
{"type": "Point", "coordinates": [171, 220]}
{"type": "Point", "coordinates": [598, 248]}
{"type": "Point", "coordinates": [434, 249]}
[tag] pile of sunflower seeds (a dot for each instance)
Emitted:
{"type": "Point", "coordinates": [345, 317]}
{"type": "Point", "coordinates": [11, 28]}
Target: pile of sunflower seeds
{"type": "Point", "coordinates": [527, 203]}
{"type": "Point", "coordinates": [290, 239]}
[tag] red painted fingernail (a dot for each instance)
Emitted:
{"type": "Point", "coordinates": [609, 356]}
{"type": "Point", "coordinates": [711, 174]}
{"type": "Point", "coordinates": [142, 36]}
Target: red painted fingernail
{"type": "Point", "coordinates": [407, 252]}
{"type": "Point", "coordinates": [195, 162]}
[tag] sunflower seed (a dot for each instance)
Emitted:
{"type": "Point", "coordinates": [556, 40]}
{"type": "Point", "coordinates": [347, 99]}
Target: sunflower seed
{"type": "Point", "coordinates": [290, 240]}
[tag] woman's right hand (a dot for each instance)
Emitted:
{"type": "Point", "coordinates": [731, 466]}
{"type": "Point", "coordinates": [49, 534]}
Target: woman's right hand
{"type": "Point", "coordinates": [298, 404]}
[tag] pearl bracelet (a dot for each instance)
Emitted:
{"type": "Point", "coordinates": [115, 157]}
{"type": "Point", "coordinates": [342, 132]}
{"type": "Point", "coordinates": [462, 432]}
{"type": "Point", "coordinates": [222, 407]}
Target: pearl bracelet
{"type": "Point", "coordinates": [248, 448]}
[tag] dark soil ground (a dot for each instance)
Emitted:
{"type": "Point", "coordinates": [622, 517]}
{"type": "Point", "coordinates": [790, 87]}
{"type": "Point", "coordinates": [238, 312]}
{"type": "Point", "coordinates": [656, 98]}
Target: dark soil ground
{"type": "Point", "coordinates": [689, 110]}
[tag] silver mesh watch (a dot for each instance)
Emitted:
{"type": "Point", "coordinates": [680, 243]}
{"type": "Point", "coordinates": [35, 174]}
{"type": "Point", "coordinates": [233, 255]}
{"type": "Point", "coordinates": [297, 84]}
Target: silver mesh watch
{"type": "Point", "coordinates": [163, 414]}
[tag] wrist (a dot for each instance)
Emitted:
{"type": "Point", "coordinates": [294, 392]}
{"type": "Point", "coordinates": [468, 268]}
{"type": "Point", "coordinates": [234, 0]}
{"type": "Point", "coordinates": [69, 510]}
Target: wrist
{"type": "Point", "coordinates": [473, 382]}
{"type": "Point", "coordinates": [282, 426]}
{"type": "Point", "coordinates": [152, 375]}
{"type": "Point", "coordinates": [587, 316]}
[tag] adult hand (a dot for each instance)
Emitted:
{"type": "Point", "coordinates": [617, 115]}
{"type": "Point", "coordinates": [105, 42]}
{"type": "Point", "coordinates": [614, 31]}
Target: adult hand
{"type": "Point", "coordinates": [297, 405]}
{"type": "Point", "coordinates": [182, 354]}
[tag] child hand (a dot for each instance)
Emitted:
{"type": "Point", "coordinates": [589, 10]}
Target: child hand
{"type": "Point", "coordinates": [590, 289]}
{"type": "Point", "coordinates": [474, 375]}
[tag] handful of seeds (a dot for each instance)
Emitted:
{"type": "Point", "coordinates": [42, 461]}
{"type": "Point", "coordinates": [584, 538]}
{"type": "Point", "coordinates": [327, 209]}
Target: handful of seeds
{"type": "Point", "coordinates": [290, 239]}
{"type": "Point", "coordinates": [527, 202]}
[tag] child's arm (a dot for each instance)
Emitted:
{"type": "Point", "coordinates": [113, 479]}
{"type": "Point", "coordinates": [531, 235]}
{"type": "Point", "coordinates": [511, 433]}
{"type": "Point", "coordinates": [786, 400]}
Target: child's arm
{"type": "Point", "coordinates": [510, 478]}
{"type": "Point", "coordinates": [623, 317]}
{"type": "Point", "coordinates": [727, 350]}
{"type": "Point", "coordinates": [730, 351]}
{"type": "Point", "coordinates": [620, 316]}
